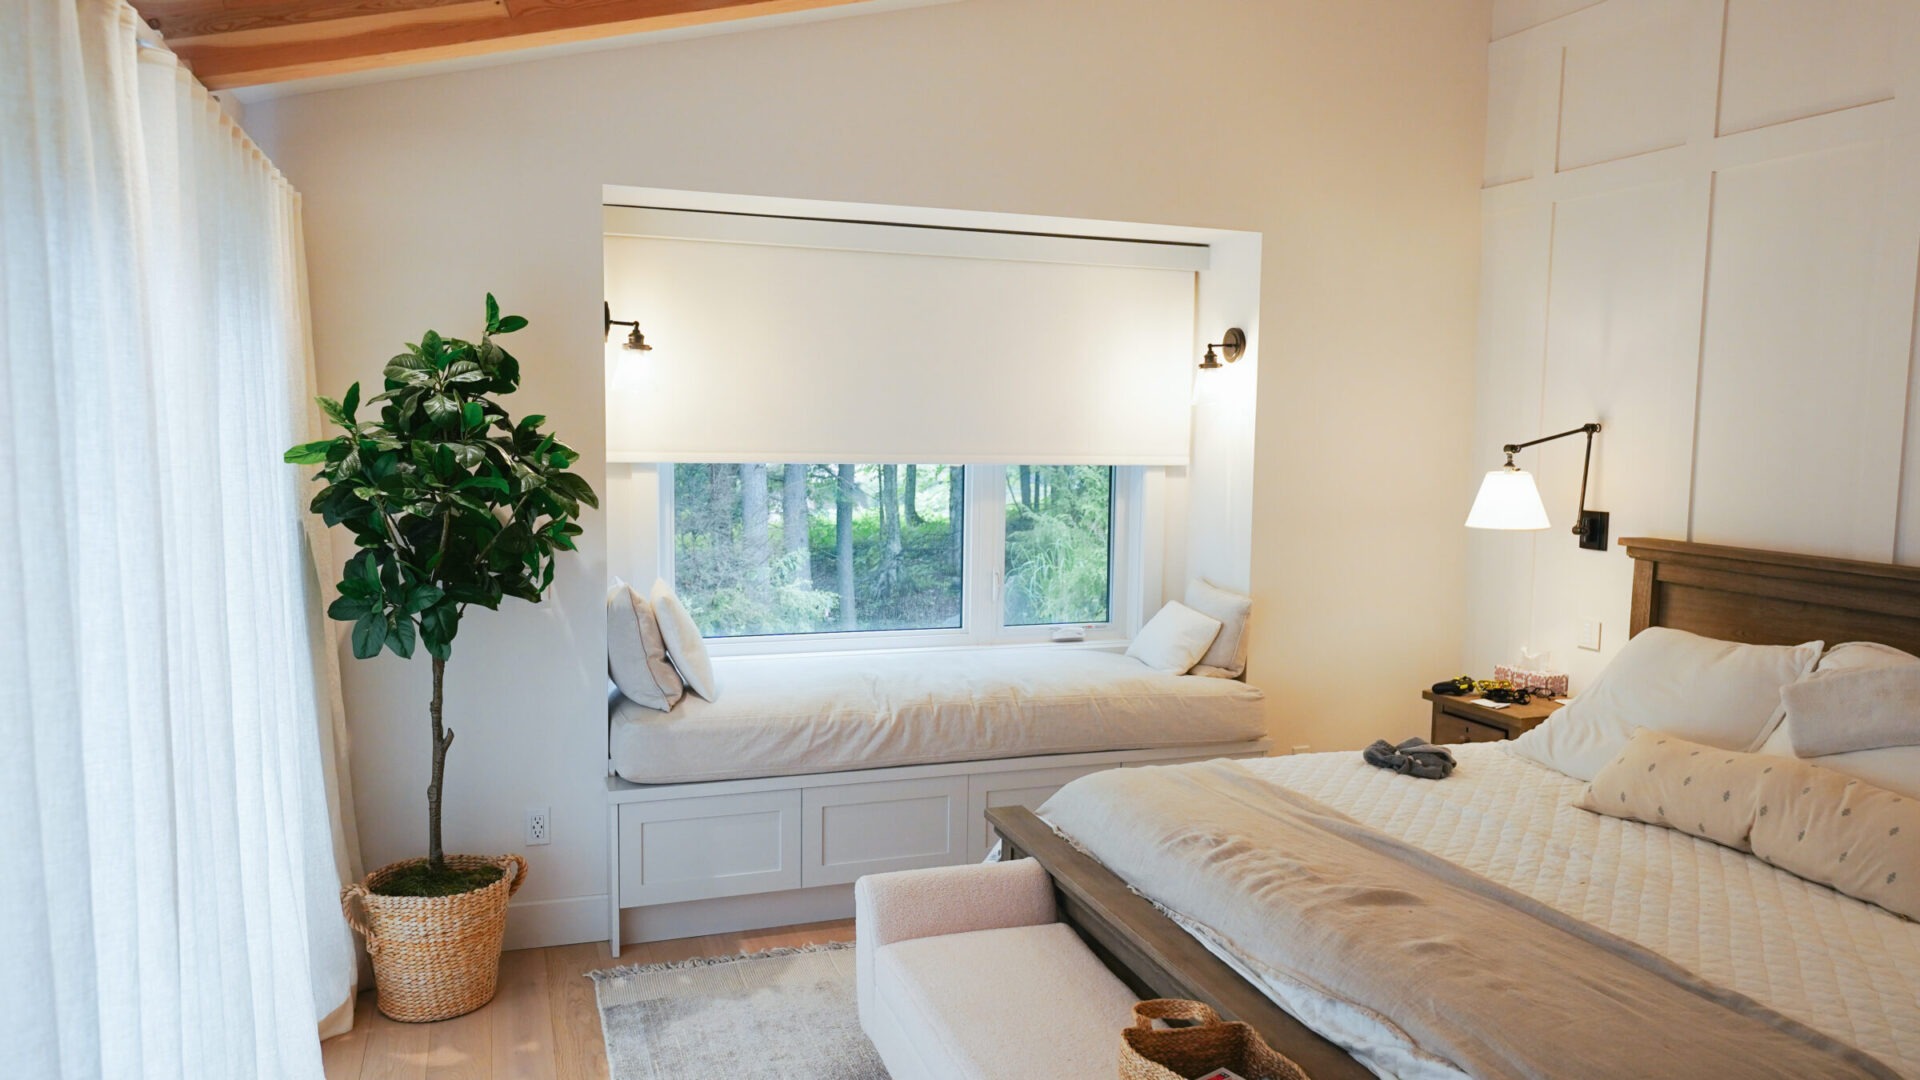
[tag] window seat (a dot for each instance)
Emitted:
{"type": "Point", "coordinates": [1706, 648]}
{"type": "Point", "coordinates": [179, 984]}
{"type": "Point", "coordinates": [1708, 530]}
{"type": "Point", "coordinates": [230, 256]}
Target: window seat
{"type": "Point", "coordinates": [797, 715]}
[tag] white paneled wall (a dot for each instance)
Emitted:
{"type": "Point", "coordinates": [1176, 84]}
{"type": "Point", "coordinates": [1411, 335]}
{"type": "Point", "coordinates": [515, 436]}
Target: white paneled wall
{"type": "Point", "coordinates": [1702, 229]}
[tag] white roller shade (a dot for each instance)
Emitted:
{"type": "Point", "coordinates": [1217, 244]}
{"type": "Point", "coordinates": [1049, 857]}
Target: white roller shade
{"type": "Point", "coordinates": [763, 352]}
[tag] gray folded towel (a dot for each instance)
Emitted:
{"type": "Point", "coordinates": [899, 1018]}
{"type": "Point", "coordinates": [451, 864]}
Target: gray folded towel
{"type": "Point", "coordinates": [1414, 757]}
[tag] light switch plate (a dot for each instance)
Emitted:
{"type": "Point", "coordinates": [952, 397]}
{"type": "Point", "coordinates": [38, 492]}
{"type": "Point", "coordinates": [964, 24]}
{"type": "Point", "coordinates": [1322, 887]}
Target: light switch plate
{"type": "Point", "coordinates": [1590, 634]}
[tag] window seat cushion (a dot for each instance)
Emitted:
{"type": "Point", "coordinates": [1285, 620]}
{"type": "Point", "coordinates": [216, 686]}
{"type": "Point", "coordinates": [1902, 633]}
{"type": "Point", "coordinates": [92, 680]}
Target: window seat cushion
{"type": "Point", "coordinates": [791, 715]}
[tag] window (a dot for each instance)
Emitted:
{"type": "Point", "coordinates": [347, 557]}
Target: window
{"type": "Point", "coordinates": [939, 554]}
{"type": "Point", "coordinates": [811, 549]}
{"type": "Point", "coordinates": [1059, 556]}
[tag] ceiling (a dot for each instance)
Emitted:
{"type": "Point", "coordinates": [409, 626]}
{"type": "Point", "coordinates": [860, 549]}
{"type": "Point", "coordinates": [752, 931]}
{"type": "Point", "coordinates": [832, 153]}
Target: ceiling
{"type": "Point", "coordinates": [236, 43]}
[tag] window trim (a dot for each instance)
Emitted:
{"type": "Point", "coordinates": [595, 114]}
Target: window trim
{"type": "Point", "coordinates": [982, 574]}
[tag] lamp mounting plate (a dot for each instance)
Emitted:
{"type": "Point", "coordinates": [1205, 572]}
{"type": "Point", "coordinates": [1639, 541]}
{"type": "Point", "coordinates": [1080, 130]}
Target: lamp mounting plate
{"type": "Point", "coordinates": [1233, 344]}
{"type": "Point", "coordinates": [1592, 530]}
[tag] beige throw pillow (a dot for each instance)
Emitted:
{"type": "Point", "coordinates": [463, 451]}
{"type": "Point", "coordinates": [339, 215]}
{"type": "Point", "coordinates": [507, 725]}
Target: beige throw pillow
{"type": "Point", "coordinates": [684, 643]}
{"type": "Point", "coordinates": [1175, 639]}
{"type": "Point", "coordinates": [1812, 822]}
{"type": "Point", "coordinates": [1896, 768]}
{"type": "Point", "coordinates": [637, 654]}
{"type": "Point", "coordinates": [1226, 658]}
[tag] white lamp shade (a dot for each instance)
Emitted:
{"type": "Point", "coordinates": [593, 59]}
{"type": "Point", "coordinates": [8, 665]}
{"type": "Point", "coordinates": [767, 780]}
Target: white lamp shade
{"type": "Point", "coordinates": [1508, 499]}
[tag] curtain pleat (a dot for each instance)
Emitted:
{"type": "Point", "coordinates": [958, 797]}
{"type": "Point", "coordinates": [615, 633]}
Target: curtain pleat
{"type": "Point", "coordinates": [179, 813]}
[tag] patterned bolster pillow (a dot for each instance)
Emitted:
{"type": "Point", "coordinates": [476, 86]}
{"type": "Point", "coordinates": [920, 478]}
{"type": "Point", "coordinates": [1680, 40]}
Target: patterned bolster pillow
{"type": "Point", "coordinates": [1812, 822]}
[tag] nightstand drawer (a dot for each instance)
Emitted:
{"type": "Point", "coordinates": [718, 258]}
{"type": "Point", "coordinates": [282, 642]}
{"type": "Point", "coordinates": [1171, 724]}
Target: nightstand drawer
{"type": "Point", "coordinates": [1448, 728]}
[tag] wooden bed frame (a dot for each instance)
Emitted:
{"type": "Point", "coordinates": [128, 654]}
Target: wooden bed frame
{"type": "Point", "coordinates": [1736, 594]}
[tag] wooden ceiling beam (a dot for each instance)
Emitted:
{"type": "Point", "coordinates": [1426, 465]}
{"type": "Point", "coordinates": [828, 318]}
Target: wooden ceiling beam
{"type": "Point", "coordinates": [231, 43]}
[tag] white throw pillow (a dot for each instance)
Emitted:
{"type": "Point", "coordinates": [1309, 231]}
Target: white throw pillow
{"type": "Point", "coordinates": [637, 653]}
{"type": "Point", "coordinates": [684, 643]}
{"type": "Point", "coordinates": [1175, 639]}
{"type": "Point", "coordinates": [1720, 693]}
{"type": "Point", "coordinates": [1895, 768]}
{"type": "Point", "coordinates": [1226, 658]}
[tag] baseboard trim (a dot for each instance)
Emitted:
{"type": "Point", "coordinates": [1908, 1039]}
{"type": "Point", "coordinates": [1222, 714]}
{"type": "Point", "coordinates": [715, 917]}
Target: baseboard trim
{"type": "Point", "coordinates": [535, 924]}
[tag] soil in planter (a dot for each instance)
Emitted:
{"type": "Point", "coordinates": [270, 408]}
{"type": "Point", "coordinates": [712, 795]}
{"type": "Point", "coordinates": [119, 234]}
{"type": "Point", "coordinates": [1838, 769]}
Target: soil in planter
{"type": "Point", "coordinates": [421, 879]}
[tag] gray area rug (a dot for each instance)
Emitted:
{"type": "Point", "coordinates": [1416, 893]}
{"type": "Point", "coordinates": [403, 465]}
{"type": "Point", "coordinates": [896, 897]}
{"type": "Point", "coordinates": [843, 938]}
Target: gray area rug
{"type": "Point", "coordinates": [781, 1013]}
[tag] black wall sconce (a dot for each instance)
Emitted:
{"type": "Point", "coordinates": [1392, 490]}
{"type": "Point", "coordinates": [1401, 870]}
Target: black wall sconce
{"type": "Point", "coordinates": [1509, 499]}
{"type": "Point", "coordinates": [635, 339]}
{"type": "Point", "coordinates": [1234, 345]}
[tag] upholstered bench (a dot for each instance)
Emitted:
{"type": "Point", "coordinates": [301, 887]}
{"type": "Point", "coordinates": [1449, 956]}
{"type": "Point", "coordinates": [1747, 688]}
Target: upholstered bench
{"type": "Point", "coordinates": [964, 972]}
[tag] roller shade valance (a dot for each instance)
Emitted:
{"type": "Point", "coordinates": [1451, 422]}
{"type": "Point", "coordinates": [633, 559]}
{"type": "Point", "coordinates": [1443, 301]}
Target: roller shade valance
{"type": "Point", "coordinates": [773, 352]}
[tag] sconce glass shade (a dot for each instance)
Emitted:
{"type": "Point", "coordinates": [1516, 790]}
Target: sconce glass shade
{"type": "Point", "coordinates": [1508, 499]}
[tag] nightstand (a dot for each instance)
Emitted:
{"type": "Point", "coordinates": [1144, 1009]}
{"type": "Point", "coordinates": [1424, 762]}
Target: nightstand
{"type": "Point", "coordinates": [1459, 720]}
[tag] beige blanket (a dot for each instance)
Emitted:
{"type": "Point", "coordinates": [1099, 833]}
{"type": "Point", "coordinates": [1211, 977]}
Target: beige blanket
{"type": "Point", "coordinates": [1470, 971]}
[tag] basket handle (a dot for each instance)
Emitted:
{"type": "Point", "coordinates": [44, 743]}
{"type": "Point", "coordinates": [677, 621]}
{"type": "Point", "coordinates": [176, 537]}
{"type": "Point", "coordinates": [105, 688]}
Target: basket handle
{"type": "Point", "coordinates": [348, 895]}
{"type": "Point", "coordinates": [515, 865]}
{"type": "Point", "coordinates": [1146, 1012]}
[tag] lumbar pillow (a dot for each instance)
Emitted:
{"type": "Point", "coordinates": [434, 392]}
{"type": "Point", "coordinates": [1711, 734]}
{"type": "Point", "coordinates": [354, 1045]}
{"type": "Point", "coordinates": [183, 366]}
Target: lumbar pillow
{"type": "Point", "coordinates": [684, 643]}
{"type": "Point", "coordinates": [1834, 712]}
{"type": "Point", "coordinates": [1175, 639]}
{"type": "Point", "coordinates": [636, 652]}
{"type": "Point", "coordinates": [1896, 768]}
{"type": "Point", "coordinates": [1719, 693]}
{"type": "Point", "coordinates": [1812, 822]}
{"type": "Point", "coordinates": [1226, 658]}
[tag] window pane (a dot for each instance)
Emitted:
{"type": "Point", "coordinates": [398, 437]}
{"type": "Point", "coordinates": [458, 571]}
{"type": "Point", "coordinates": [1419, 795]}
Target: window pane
{"type": "Point", "coordinates": [1059, 544]}
{"type": "Point", "coordinates": [808, 549]}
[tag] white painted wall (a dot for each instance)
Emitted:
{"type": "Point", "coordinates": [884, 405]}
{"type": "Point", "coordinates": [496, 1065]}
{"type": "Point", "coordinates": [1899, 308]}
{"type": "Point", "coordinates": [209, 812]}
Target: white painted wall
{"type": "Point", "coordinates": [1347, 134]}
{"type": "Point", "coordinates": [1702, 228]}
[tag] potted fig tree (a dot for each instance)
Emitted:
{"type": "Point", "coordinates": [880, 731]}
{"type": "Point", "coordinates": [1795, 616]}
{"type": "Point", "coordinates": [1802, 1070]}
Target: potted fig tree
{"type": "Point", "coordinates": [451, 504]}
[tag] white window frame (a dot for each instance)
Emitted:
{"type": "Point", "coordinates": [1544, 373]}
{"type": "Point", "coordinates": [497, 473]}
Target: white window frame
{"type": "Point", "coordinates": [982, 576]}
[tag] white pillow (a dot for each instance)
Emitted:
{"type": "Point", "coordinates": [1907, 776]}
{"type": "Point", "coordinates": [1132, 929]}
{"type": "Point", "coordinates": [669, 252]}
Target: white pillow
{"type": "Point", "coordinates": [1720, 693]}
{"type": "Point", "coordinates": [636, 652]}
{"type": "Point", "coordinates": [1175, 639]}
{"type": "Point", "coordinates": [1895, 768]}
{"type": "Point", "coordinates": [1226, 658]}
{"type": "Point", "coordinates": [684, 643]}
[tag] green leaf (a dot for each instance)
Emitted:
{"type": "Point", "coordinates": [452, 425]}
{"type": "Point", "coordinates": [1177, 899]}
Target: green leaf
{"type": "Point", "coordinates": [400, 637]}
{"type": "Point", "coordinates": [334, 412]}
{"type": "Point", "coordinates": [471, 414]}
{"type": "Point", "coordinates": [313, 453]}
{"type": "Point", "coordinates": [352, 402]}
{"type": "Point", "coordinates": [573, 487]}
{"type": "Point", "coordinates": [369, 633]}
{"type": "Point", "coordinates": [348, 608]}
{"type": "Point", "coordinates": [531, 422]}
{"type": "Point", "coordinates": [465, 371]}
{"type": "Point", "coordinates": [432, 348]}
{"type": "Point", "coordinates": [443, 408]}
{"type": "Point", "coordinates": [493, 314]}
{"type": "Point", "coordinates": [491, 483]}
{"type": "Point", "coordinates": [511, 323]}
{"type": "Point", "coordinates": [421, 598]}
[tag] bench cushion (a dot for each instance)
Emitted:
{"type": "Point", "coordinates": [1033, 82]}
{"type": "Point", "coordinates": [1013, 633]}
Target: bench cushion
{"type": "Point", "coordinates": [1024, 1001]}
{"type": "Point", "coordinates": [789, 715]}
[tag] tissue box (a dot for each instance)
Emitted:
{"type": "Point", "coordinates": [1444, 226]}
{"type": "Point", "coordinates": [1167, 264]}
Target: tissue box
{"type": "Point", "coordinates": [1550, 683]}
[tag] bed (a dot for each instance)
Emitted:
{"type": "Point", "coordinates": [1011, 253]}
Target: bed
{"type": "Point", "coordinates": [1844, 970]}
{"type": "Point", "coordinates": [795, 715]}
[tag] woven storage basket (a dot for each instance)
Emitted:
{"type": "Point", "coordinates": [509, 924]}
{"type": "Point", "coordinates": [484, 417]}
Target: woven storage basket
{"type": "Point", "coordinates": [1182, 1053]}
{"type": "Point", "coordinates": [434, 957]}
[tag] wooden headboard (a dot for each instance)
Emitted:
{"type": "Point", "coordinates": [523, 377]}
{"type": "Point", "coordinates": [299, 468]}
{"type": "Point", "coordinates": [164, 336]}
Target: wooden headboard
{"type": "Point", "coordinates": [1771, 597]}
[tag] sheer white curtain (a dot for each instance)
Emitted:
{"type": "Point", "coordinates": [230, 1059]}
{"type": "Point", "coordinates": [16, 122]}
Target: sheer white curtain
{"type": "Point", "coordinates": [172, 810]}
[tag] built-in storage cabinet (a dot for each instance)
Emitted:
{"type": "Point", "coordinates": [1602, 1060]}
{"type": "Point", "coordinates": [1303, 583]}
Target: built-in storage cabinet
{"type": "Point", "coordinates": [849, 830]}
{"type": "Point", "coordinates": [672, 843]}
{"type": "Point", "coordinates": [698, 849]}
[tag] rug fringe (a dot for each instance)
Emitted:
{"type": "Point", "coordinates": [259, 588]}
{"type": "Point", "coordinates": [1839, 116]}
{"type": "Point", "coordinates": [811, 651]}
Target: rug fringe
{"type": "Point", "coordinates": [614, 973]}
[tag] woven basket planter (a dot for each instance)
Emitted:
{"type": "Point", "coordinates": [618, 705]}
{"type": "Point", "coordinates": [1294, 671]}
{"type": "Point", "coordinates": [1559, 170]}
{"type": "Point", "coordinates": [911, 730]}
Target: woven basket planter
{"type": "Point", "coordinates": [434, 957]}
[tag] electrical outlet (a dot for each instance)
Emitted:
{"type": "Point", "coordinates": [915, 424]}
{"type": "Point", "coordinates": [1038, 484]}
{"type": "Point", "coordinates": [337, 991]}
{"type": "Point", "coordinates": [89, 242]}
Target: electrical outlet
{"type": "Point", "coordinates": [537, 828]}
{"type": "Point", "coordinates": [1590, 634]}
{"type": "Point", "coordinates": [1303, 749]}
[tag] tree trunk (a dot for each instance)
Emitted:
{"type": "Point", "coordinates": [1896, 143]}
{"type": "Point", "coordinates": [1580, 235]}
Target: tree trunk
{"type": "Point", "coordinates": [843, 543]}
{"type": "Point", "coordinates": [910, 496]}
{"type": "Point", "coordinates": [442, 738]}
{"type": "Point", "coordinates": [794, 522]}
{"type": "Point", "coordinates": [1026, 486]}
{"type": "Point", "coordinates": [890, 526]}
{"type": "Point", "coordinates": [956, 514]}
{"type": "Point", "coordinates": [753, 531]}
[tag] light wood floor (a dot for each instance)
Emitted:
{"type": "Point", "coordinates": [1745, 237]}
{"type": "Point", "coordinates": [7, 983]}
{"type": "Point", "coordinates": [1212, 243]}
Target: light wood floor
{"type": "Point", "coordinates": [541, 1026]}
